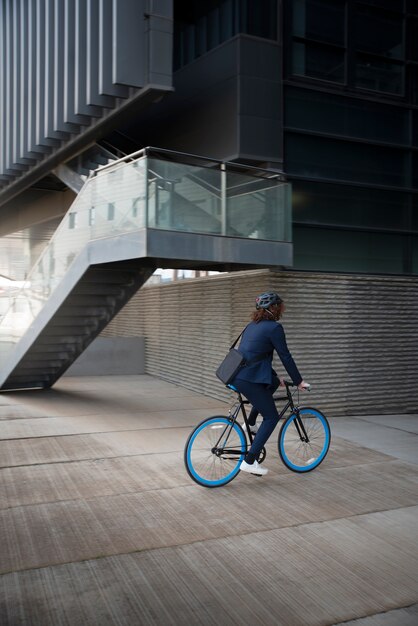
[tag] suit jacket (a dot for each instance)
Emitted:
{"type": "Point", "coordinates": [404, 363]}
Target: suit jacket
{"type": "Point", "coordinates": [265, 337]}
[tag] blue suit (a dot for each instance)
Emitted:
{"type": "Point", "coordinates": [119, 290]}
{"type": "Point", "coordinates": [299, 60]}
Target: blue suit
{"type": "Point", "coordinates": [263, 338]}
{"type": "Point", "coordinates": [258, 381]}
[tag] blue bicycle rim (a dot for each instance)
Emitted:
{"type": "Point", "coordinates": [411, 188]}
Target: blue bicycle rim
{"type": "Point", "coordinates": [318, 459]}
{"type": "Point", "coordinates": [234, 472]}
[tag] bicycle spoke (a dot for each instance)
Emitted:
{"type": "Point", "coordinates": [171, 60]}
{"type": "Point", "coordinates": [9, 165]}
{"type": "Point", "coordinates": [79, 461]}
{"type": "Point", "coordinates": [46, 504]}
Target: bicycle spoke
{"type": "Point", "coordinates": [296, 452]}
{"type": "Point", "coordinates": [206, 454]}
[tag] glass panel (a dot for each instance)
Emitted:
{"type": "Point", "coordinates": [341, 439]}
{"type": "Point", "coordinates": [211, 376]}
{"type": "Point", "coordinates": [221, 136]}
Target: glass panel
{"type": "Point", "coordinates": [157, 193]}
{"type": "Point", "coordinates": [309, 110]}
{"type": "Point", "coordinates": [184, 197]}
{"type": "Point", "coordinates": [413, 84]}
{"type": "Point", "coordinates": [378, 75]}
{"type": "Point", "coordinates": [316, 61]}
{"type": "Point", "coordinates": [259, 18]}
{"type": "Point", "coordinates": [322, 20]}
{"type": "Point", "coordinates": [318, 157]}
{"type": "Point", "coordinates": [319, 203]}
{"type": "Point", "coordinates": [411, 6]}
{"type": "Point", "coordinates": [345, 251]}
{"type": "Point", "coordinates": [414, 220]}
{"type": "Point", "coordinates": [415, 255]}
{"type": "Point", "coordinates": [199, 27]}
{"type": "Point", "coordinates": [412, 29]}
{"type": "Point", "coordinates": [380, 33]}
{"type": "Point", "coordinates": [124, 187]}
{"type": "Point", "coordinates": [391, 5]}
{"type": "Point", "coordinates": [258, 208]}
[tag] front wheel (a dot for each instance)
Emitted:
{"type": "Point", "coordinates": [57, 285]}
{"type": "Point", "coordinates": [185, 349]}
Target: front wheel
{"type": "Point", "coordinates": [214, 451]}
{"type": "Point", "coordinates": [304, 440]}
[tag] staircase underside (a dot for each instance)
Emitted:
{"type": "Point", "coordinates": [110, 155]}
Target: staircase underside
{"type": "Point", "coordinates": [104, 276]}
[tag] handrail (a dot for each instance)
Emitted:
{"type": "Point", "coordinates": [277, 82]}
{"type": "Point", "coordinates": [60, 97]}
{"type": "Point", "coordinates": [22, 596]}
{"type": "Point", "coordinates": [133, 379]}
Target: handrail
{"type": "Point", "coordinates": [264, 173]}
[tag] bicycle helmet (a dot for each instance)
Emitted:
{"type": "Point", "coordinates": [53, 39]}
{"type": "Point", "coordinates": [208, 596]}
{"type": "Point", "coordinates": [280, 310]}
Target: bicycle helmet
{"type": "Point", "coordinates": [266, 299]}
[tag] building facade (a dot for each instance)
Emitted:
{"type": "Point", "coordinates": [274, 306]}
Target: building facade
{"type": "Point", "coordinates": [324, 91]}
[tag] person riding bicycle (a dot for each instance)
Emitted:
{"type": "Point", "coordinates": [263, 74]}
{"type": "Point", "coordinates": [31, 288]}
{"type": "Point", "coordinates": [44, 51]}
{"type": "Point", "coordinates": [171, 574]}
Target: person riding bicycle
{"type": "Point", "coordinates": [258, 381]}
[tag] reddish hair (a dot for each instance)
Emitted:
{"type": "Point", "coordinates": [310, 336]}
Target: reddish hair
{"type": "Point", "coordinates": [274, 312]}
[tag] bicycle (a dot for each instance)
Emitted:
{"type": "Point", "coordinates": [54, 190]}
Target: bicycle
{"type": "Point", "coordinates": [215, 448]}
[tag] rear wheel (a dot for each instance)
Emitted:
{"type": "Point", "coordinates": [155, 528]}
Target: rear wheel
{"type": "Point", "coordinates": [214, 451]}
{"type": "Point", "coordinates": [304, 440]}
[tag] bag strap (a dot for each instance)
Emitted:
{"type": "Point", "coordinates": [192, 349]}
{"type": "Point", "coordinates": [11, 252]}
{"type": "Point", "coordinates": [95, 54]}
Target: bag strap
{"type": "Point", "coordinates": [260, 357]}
{"type": "Point", "coordinates": [237, 339]}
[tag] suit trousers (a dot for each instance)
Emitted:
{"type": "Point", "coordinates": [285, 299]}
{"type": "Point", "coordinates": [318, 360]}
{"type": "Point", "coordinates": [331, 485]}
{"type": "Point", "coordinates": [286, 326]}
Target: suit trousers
{"type": "Point", "coordinates": [261, 397]}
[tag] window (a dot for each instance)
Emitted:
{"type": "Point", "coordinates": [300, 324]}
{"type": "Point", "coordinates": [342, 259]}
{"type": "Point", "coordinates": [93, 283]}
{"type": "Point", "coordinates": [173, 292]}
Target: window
{"type": "Point", "coordinates": [317, 157]}
{"type": "Point", "coordinates": [317, 61]}
{"type": "Point", "coordinates": [259, 18]}
{"type": "Point", "coordinates": [72, 220]}
{"type": "Point", "coordinates": [110, 211]}
{"type": "Point", "coordinates": [412, 39]}
{"type": "Point", "coordinates": [320, 20]}
{"type": "Point", "coordinates": [306, 109]}
{"type": "Point", "coordinates": [322, 203]}
{"type": "Point", "coordinates": [347, 251]}
{"type": "Point", "coordinates": [378, 33]}
{"type": "Point", "coordinates": [378, 75]}
{"type": "Point", "coordinates": [201, 26]}
{"type": "Point", "coordinates": [358, 44]}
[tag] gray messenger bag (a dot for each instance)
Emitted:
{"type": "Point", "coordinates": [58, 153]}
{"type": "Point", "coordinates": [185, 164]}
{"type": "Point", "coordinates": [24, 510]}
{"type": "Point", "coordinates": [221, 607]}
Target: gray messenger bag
{"type": "Point", "coordinates": [234, 362]}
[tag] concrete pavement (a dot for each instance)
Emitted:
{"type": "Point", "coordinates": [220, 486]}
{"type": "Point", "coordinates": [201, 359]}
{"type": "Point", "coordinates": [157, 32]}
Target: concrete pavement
{"type": "Point", "coordinates": [100, 524]}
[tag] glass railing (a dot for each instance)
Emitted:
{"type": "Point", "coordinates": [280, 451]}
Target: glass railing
{"type": "Point", "coordinates": [151, 189]}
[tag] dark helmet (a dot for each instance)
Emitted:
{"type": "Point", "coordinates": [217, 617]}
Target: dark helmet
{"type": "Point", "coordinates": [267, 299]}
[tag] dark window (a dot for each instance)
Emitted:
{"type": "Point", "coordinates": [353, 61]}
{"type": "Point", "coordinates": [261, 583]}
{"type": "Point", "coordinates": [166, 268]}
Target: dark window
{"type": "Point", "coordinates": [201, 26]}
{"type": "Point", "coordinates": [310, 110]}
{"type": "Point", "coordinates": [378, 74]}
{"type": "Point", "coordinates": [347, 251]}
{"type": "Point", "coordinates": [318, 61]}
{"type": "Point", "coordinates": [390, 5]}
{"type": "Point", "coordinates": [321, 203]}
{"type": "Point", "coordinates": [321, 20]}
{"type": "Point", "coordinates": [414, 169]}
{"type": "Point", "coordinates": [414, 218]}
{"type": "Point", "coordinates": [412, 6]}
{"type": "Point", "coordinates": [259, 18]}
{"type": "Point", "coordinates": [412, 39]}
{"type": "Point", "coordinates": [317, 157]}
{"type": "Point", "coordinates": [380, 33]}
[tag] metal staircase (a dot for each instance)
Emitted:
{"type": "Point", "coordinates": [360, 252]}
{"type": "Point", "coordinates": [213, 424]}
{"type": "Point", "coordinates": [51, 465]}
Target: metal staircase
{"type": "Point", "coordinates": [147, 210]}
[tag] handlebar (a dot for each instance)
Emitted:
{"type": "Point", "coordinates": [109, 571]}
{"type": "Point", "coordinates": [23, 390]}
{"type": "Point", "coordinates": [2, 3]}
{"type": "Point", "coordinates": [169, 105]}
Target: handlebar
{"type": "Point", "coordinates": [288, 383]}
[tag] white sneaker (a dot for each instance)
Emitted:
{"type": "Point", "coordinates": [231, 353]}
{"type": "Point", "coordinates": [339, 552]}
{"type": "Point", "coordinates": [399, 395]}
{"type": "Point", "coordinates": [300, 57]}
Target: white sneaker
{"type": "Point", "coordinates": [253, 428]}
{"type": "Point", "coordinates": [255, 468]}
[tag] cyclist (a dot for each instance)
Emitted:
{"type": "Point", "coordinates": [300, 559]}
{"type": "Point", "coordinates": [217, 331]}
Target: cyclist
{"type": "Point", "coordinates": [258, 381]}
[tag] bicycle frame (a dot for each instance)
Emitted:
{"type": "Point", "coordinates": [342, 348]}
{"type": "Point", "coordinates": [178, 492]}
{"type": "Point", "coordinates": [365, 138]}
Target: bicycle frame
{"type": "Point", "coordinates": [240, 407]}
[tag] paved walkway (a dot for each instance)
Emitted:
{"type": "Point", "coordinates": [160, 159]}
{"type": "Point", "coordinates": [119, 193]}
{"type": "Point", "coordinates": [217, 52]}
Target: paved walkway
{"type": "Point", "coordinates": [100, 524]}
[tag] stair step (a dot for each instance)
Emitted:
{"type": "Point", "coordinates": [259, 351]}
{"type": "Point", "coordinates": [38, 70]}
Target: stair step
{"type": "Point", "coordinates": [44, 353]}
{"type": "Point", "coordinates": [110, 277]}
{"type": "Point", "coordinates": [36, 371]}
{"type": "Point", "coordinates": [90, 300]}
{"type": "Point", "coordinates": [14, 386]}
{"type": "Point", "coordinates": [90, 289]}
{"type": "Point", "coordinates": [57, 331]}
{"type": "Point", "coordinates": [85, 311]}
{"type": "Point", "coordinates": [16, 378]}
{"type": "Point", "coordinates": [36, 363]}
{"type": "Point", "coordinates": [59, 341]}
{"type": "Point", "coordinates": [71, 322]}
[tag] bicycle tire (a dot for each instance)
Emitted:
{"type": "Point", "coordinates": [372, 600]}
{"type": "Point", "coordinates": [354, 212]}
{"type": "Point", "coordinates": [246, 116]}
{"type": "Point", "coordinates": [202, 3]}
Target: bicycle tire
{"type": "Point", "coordinates": [298, 455]}
{"type": "Point", "coordinates": [206, 467]}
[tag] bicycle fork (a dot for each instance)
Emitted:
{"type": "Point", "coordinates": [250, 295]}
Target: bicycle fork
{"type": "Point", "coordinates": [300, 427]}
